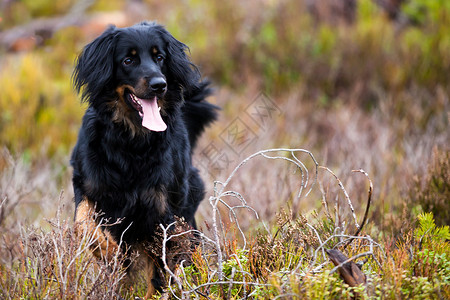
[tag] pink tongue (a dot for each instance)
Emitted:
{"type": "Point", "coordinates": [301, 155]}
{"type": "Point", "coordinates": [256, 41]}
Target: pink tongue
{"type": "Point", "coordinates": [151, 118]}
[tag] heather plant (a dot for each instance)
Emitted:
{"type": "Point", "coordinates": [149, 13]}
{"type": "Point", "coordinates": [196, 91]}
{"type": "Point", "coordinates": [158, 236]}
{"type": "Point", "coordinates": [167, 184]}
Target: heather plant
{"type": "Point", "coordinates": [289, 258]}
{"type": "Point", "coordinates": [56, 264]}
{"type": "Point", "coordinates": [431, 190]}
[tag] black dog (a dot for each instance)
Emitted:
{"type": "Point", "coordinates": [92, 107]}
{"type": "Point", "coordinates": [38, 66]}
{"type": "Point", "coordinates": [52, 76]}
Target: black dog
{"type": "Point", "coordinates": [133, 157]}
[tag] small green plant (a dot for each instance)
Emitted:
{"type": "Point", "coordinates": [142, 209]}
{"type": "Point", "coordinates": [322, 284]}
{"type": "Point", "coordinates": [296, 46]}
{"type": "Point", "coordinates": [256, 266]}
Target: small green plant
{"type": "Point", "coordinates": [419, 266]}
{"type": "Point", "coordinates": [429, 231]}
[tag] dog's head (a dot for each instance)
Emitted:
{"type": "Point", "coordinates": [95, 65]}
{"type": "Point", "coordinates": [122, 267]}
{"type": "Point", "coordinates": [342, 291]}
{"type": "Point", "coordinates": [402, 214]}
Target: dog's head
{"type": "Point", "coordinates": [137, 73]}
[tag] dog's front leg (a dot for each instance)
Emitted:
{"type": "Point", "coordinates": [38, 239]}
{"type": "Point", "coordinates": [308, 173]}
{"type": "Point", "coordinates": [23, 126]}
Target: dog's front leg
{"type": "Point", "coordinates": [150, 272]}
{"type": "Point", "coordinates": [103, 246]}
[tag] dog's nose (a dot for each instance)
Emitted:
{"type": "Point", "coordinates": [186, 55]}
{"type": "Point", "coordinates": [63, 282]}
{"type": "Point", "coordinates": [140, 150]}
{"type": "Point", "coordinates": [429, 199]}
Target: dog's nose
{"type": "Point", "coordinates": [158, 85]}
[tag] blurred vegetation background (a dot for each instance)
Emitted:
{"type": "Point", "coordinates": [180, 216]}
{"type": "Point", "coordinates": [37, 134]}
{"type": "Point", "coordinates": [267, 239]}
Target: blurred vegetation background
{"type": "Point", "coordinates": [361, 84]}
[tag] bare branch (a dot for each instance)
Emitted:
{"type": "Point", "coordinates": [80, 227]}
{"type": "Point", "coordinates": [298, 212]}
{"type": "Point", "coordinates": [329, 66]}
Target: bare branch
{"type": "Point", "coordinates": [345, 194]}
{"type": "Point", "coordinates": [366, 213]}
{"type": "Point", "coordinates": [44, 28]}
{"type": "Point", "coordinates": [163, 258]}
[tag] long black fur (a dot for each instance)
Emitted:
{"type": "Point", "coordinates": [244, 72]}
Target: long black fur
{"type": "Point", "coordinates": [125, 173]}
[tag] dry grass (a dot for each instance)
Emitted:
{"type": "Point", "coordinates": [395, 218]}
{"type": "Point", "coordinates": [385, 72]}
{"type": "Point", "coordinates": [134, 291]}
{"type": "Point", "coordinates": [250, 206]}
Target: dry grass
{"type": "Point", "coordinates": [235, 256]}
{"type": "Point", "coordinates": [55, 264]}
{"type": "Point", "coordinates": [344, 138]}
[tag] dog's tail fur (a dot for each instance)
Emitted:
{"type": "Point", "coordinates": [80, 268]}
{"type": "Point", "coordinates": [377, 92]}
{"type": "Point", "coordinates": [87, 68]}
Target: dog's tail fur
{"type": "Point", "coordinates": [197, 112]}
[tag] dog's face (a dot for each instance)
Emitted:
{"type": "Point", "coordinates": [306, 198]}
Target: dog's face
{"type": "Point", "coordinates": [140, 81]}
{"type": "Point", "coordinates": [138, 73]}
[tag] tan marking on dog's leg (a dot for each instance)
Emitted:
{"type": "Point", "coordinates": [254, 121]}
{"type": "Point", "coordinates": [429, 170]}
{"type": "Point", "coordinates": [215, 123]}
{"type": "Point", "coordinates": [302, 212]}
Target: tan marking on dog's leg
{"type": "Point", "coordinates": [150, 272]}
{"type": "Point", "coordinates": [104, 246]}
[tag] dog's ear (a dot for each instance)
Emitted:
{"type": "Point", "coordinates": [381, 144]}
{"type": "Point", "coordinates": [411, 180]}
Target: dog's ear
{"type": "Point", "coordinates": [95, 65]}
{"type": "Point", "coordinates": [182, 70]}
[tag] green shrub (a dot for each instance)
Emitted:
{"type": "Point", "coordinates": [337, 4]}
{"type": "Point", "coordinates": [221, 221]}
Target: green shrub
{"type": "Point", "coordinates": [39, 111]}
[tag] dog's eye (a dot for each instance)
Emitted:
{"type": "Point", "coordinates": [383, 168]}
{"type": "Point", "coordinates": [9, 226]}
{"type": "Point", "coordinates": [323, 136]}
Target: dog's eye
{"type": "Point", "coordinates": [159, 58]}
{"type": "Point", "coordinates": [127, 61]}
